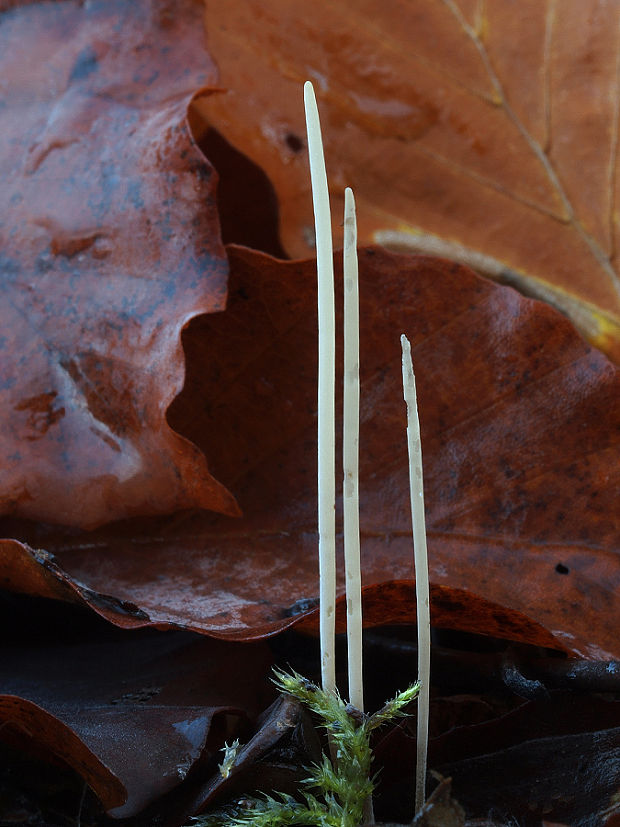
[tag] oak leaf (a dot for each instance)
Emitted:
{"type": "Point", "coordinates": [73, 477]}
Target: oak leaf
{"type": "Point", "coordinates": [520, 433]}
{"type": "Point", "coordinates": [109, 245]}
{"type": "Point", "coordinates": [466, 129]}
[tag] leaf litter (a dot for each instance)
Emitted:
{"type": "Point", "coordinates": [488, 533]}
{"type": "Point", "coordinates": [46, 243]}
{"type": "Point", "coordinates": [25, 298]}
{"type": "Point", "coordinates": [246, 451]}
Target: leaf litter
{"type": "Point", "coordinates": [466, 130]}
{"type": "Point", "coordinates": [109, 246]}
{"type": "Point", "coordinates": [254, 576]}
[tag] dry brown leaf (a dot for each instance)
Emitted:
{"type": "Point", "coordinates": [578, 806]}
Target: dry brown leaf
{"type": "Point", "coordinates": [480, 131]}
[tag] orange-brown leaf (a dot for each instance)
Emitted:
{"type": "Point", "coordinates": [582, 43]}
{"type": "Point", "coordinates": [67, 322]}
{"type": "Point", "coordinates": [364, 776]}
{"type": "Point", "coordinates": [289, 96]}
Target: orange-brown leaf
{"type": "Point", "coordinates": [520, 435]}
{"type": "Point", "coordinates": [109, 245]}
{"type": "Point", "coordinates": [467, 129]}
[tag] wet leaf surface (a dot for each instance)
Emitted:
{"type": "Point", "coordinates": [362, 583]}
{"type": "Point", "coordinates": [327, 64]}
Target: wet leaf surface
{"type": "Point", "coordinates": [522, 536]}
{"type": "Point", "coordinates": [465, 130]}
{"type": "Point", "coordinates": [131, 713]}
{"type": "Point", "coordinates": [109, 245]}
{"type": "Point", "coordinates": [556, 760]}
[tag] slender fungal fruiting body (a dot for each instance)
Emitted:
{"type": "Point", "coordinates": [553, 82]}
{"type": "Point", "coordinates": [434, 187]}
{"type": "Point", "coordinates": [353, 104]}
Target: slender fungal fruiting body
{"type": "Point", "coordinates": [326, 455]}
{"type": "Point", "coordinates": [350, 455]}
{"type": "Point", "coordinates": [339, 792]}
{"type": "Point", "coordinates": [416, 488]}
{"type": "Point", "coordinates": [326, 392]}
{"type": "Point", "coordinates": [350, 465]}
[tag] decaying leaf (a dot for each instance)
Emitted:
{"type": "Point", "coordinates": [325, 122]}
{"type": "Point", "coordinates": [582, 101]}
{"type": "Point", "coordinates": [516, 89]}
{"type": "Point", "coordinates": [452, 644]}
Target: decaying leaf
{"type": "Point", "coordinates": [441, 810]}
{"type": "Point", "coordinates": [467, 129]}
{"type": "Point", "coordinates": [554, 760]}
{"type": "Point", "coordinates": [132, 714]}
{"type": "Point", "coordinates": [109, 245]}
{"type": "Point", "coordinates": [276, 757]}
{"type": "Point", "coordinates": [520, 433]}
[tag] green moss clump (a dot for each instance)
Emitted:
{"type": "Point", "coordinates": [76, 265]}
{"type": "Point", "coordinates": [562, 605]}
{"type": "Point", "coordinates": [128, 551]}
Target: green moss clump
{"type": "Point", "coordinates": [335, 792]}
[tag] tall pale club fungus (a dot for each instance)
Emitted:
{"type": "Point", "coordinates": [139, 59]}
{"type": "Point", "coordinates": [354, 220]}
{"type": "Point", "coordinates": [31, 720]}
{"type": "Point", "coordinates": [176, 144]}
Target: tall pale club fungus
{"type": "Point", "coordinates": [326, 392]}
{"type": "Point", "coordinates": [416, 489]}
{"type": "Point", "coordinates": [326, 456]}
